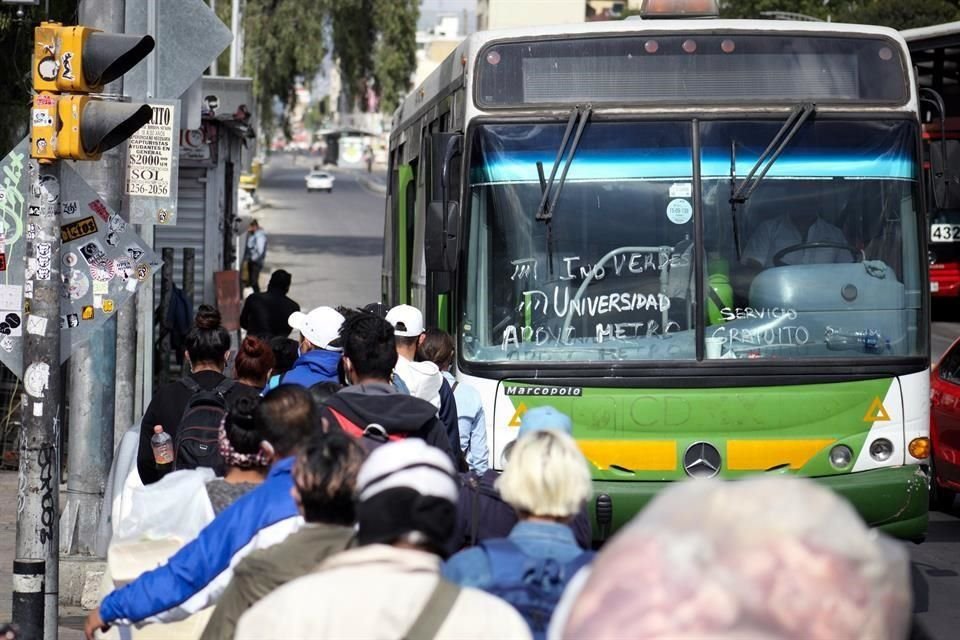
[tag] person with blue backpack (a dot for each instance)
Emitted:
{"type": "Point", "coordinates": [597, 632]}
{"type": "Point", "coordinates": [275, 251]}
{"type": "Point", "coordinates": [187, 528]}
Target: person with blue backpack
{"type": "Point", "coordinates": [547, 482]}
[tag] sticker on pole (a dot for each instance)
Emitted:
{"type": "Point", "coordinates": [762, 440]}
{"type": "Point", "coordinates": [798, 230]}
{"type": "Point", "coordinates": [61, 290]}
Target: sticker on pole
{"type": "Point", "coordinates": [95, 261]}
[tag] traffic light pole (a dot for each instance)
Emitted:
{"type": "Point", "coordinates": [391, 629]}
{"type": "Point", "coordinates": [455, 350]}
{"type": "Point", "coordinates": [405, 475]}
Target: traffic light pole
{"type": "Point", "coordinates": [93, 365]}
{"type": "Point", "coordinates": [36, 568]}
{"type": "Point", "coordinates": [68, 121]}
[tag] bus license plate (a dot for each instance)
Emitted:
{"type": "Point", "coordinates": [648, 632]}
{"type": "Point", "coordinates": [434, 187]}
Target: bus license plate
{"type": "Point", "coordinates": [945, 233]}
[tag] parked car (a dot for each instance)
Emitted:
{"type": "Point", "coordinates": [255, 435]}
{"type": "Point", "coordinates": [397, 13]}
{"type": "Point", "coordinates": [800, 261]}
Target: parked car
{"type": "Point", "coordinates": [945, 428]}
{"type": "Point", "coordinates": [319, 181]}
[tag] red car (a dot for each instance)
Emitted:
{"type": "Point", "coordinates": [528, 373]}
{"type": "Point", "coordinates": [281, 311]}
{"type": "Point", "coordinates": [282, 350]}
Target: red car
{"type": "Point", "coordinates": [945, 428]}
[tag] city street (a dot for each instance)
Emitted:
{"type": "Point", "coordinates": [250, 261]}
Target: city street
{"type": "Point", "coordinates": [693, 314]}
{"type": "Point", "coordinates": [936, 563]}
{"type": "Point", "coordinates": [331, 243]}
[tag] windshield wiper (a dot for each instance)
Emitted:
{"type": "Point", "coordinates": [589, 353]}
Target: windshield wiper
{"type": "Point", "coordinates": [740, 194]}
{"type": "Point", "coordinates": [548, 203]}
{"type": "Point", "coordinates": [789, 129]}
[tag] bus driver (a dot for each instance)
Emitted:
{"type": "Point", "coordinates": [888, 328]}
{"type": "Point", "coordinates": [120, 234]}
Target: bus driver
{"type": "Point", "coordinates": [797, 227]}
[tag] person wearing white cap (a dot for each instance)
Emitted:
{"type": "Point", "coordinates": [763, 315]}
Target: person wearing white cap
{"type": "Point", "coordinates": [390, 586]}
{"type": "Point", "coordinates": [319, 350]}
{"type": "Point", "coordinates": [423, 378]}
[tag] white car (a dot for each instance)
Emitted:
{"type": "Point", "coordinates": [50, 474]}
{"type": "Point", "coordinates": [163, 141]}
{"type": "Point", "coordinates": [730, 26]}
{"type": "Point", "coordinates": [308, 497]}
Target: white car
{"type": "Point", "coordinates": [319, 181]}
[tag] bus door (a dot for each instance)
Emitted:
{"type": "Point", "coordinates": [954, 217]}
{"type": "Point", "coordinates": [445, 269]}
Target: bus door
{"type": "Point", "coordinates": [406, 197]}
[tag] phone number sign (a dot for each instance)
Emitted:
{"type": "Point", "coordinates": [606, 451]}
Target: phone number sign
{"type": "Point", "coordinates": [153, 160]}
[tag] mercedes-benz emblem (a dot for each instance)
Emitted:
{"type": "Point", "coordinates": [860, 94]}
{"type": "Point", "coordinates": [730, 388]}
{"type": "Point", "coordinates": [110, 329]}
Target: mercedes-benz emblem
{"type": "Point", "coordinates": [701, 460]}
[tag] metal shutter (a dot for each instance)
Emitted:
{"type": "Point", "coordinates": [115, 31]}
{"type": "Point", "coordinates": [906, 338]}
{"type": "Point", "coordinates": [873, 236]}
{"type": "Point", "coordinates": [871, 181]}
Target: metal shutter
{"type": "Point", "coordinates": [188, 232]}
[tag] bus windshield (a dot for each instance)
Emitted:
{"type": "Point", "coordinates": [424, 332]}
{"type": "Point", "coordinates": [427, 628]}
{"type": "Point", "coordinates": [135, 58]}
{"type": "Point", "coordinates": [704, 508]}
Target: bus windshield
{"type": "Point", "coordinates": [820, 262]}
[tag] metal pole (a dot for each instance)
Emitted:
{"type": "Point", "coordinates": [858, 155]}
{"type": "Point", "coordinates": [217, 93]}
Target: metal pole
{"type": "Point", "coordinates": [213, 65]}
{"type": "Point", "coordinates": [93, 365]}
{"type": "Point", "coordinates": [107, 178]}
{"type": "Point", "coordinates": [145, 317]}
{"type": "Point", "coordinates": [124, 412]}
{"type": "Point", "coordinates": [38, 492]}
{"type": "Point", "coordinates": [166, 287]}
{"type": "Point", "coordinates": [189, 273]}
{"type": "Point", "coordinates": [235, 46]}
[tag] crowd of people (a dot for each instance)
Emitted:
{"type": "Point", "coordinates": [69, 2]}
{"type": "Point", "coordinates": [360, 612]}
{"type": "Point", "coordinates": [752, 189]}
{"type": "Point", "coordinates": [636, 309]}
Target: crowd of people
{"type": "Point", "coordinates": [347, 491]}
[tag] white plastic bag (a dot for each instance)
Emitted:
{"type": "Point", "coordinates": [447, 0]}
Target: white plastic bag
{"type": "Point", "coordinates": [175, 507]}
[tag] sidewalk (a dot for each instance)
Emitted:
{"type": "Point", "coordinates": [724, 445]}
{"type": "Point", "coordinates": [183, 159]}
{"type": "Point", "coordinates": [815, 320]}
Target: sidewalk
{"type": "Point", "coordinates": [8, 547]}
{"type": "Point", "coordinates": [376, 181]}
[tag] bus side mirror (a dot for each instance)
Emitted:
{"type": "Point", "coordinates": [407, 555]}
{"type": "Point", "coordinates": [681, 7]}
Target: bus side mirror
{"type": "Point", "coordinates": [442, 233]}
{"type": "Point", "coordinates": [441, 241]}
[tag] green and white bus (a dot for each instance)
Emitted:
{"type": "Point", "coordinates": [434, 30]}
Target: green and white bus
{"type": "Point", "coordinates": [702, 239]}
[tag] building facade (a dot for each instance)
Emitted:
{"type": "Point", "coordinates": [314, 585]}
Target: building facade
{"type": "Point", "coordinates": [504, 14]}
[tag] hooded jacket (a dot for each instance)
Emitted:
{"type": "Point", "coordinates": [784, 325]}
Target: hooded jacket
{"type": "Point", "coordinates": [423, 379]}
{"type": "Point", "coordinates": [318, 365]}
{"type": "Point", "coordinates": [198, 573]}
{"type": "Point", "coordinates": [397, 413]}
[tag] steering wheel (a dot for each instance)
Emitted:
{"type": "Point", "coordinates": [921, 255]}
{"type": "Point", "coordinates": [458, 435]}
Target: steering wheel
{"type": "Point", "coordinates": [855, 253]}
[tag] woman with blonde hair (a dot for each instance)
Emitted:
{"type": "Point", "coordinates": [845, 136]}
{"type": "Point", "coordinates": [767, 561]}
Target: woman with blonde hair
{"type": "Point", "coordinates": [546, 482]}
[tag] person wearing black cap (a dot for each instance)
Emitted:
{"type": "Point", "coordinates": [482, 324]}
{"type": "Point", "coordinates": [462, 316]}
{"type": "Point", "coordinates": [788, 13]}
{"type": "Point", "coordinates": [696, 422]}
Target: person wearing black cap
{"type": "Point", "coordinates": [376, 309]}
{"type": "Point", "coordinates": [265, 314]}
{"type": "Point", "coordinates": [371, 409]}
{"type": "Point", "coordinates": [390, 586]}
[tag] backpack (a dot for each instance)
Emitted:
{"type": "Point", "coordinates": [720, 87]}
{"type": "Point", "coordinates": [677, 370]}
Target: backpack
{"type": "Point", "coordinates": [197, 441]}
{"type": "Point", "coordinates": [371, 436]}
{"type": "Point", "coordinates": [532, 585]}
{"type": "Point", "coordinates": [488, 516]}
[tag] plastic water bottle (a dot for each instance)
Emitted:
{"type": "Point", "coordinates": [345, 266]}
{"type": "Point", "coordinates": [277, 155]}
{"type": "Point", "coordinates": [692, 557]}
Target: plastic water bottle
{"type": "Point", "coordinates": [162, 445]}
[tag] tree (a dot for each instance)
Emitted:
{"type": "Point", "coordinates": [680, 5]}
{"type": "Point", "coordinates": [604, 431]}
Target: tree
{"type": "Point", "coordinates": [354, 35]}
{"type": "Point", "coordinates": [374, 42]}
{"type": "Point", "coordinates": [899, 14]}
{"type": "Point", "coordinates": [756, 8]}
{"type": "Point", "coordinates": [284, 41]}
{"type": "Point", "coordinates": [395, 54]}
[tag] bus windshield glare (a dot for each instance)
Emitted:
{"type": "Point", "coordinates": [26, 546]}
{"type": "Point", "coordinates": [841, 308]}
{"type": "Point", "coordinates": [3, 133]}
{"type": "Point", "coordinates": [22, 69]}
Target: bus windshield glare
{"type": "Point", "coordinates": [820, 262]}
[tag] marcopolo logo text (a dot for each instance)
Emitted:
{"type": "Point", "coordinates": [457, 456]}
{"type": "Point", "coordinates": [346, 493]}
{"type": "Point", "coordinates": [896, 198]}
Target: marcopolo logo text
{"type": "Point", "coordinates": [543, 391]}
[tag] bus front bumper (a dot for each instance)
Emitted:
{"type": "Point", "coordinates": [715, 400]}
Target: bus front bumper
{"type": "Point", "coordinates": [894, 500]}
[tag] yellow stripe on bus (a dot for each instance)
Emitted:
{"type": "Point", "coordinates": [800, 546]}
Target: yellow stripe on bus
{"type": "Point", "coordinates": [640, 455]}
{"type": "Point", "coordinates": [759, 455]}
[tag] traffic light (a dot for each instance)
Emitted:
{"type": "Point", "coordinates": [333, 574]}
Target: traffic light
{"type": "Point", "coordinates": [81, 60]}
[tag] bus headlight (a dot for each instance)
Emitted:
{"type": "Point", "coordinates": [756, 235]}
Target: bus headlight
{"type": "Point", "coordinates": [841, 456]}
{"type": "Point", "coordinates": [881, 449]}
{"type": "Point", "coordinates": [919, 448]}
